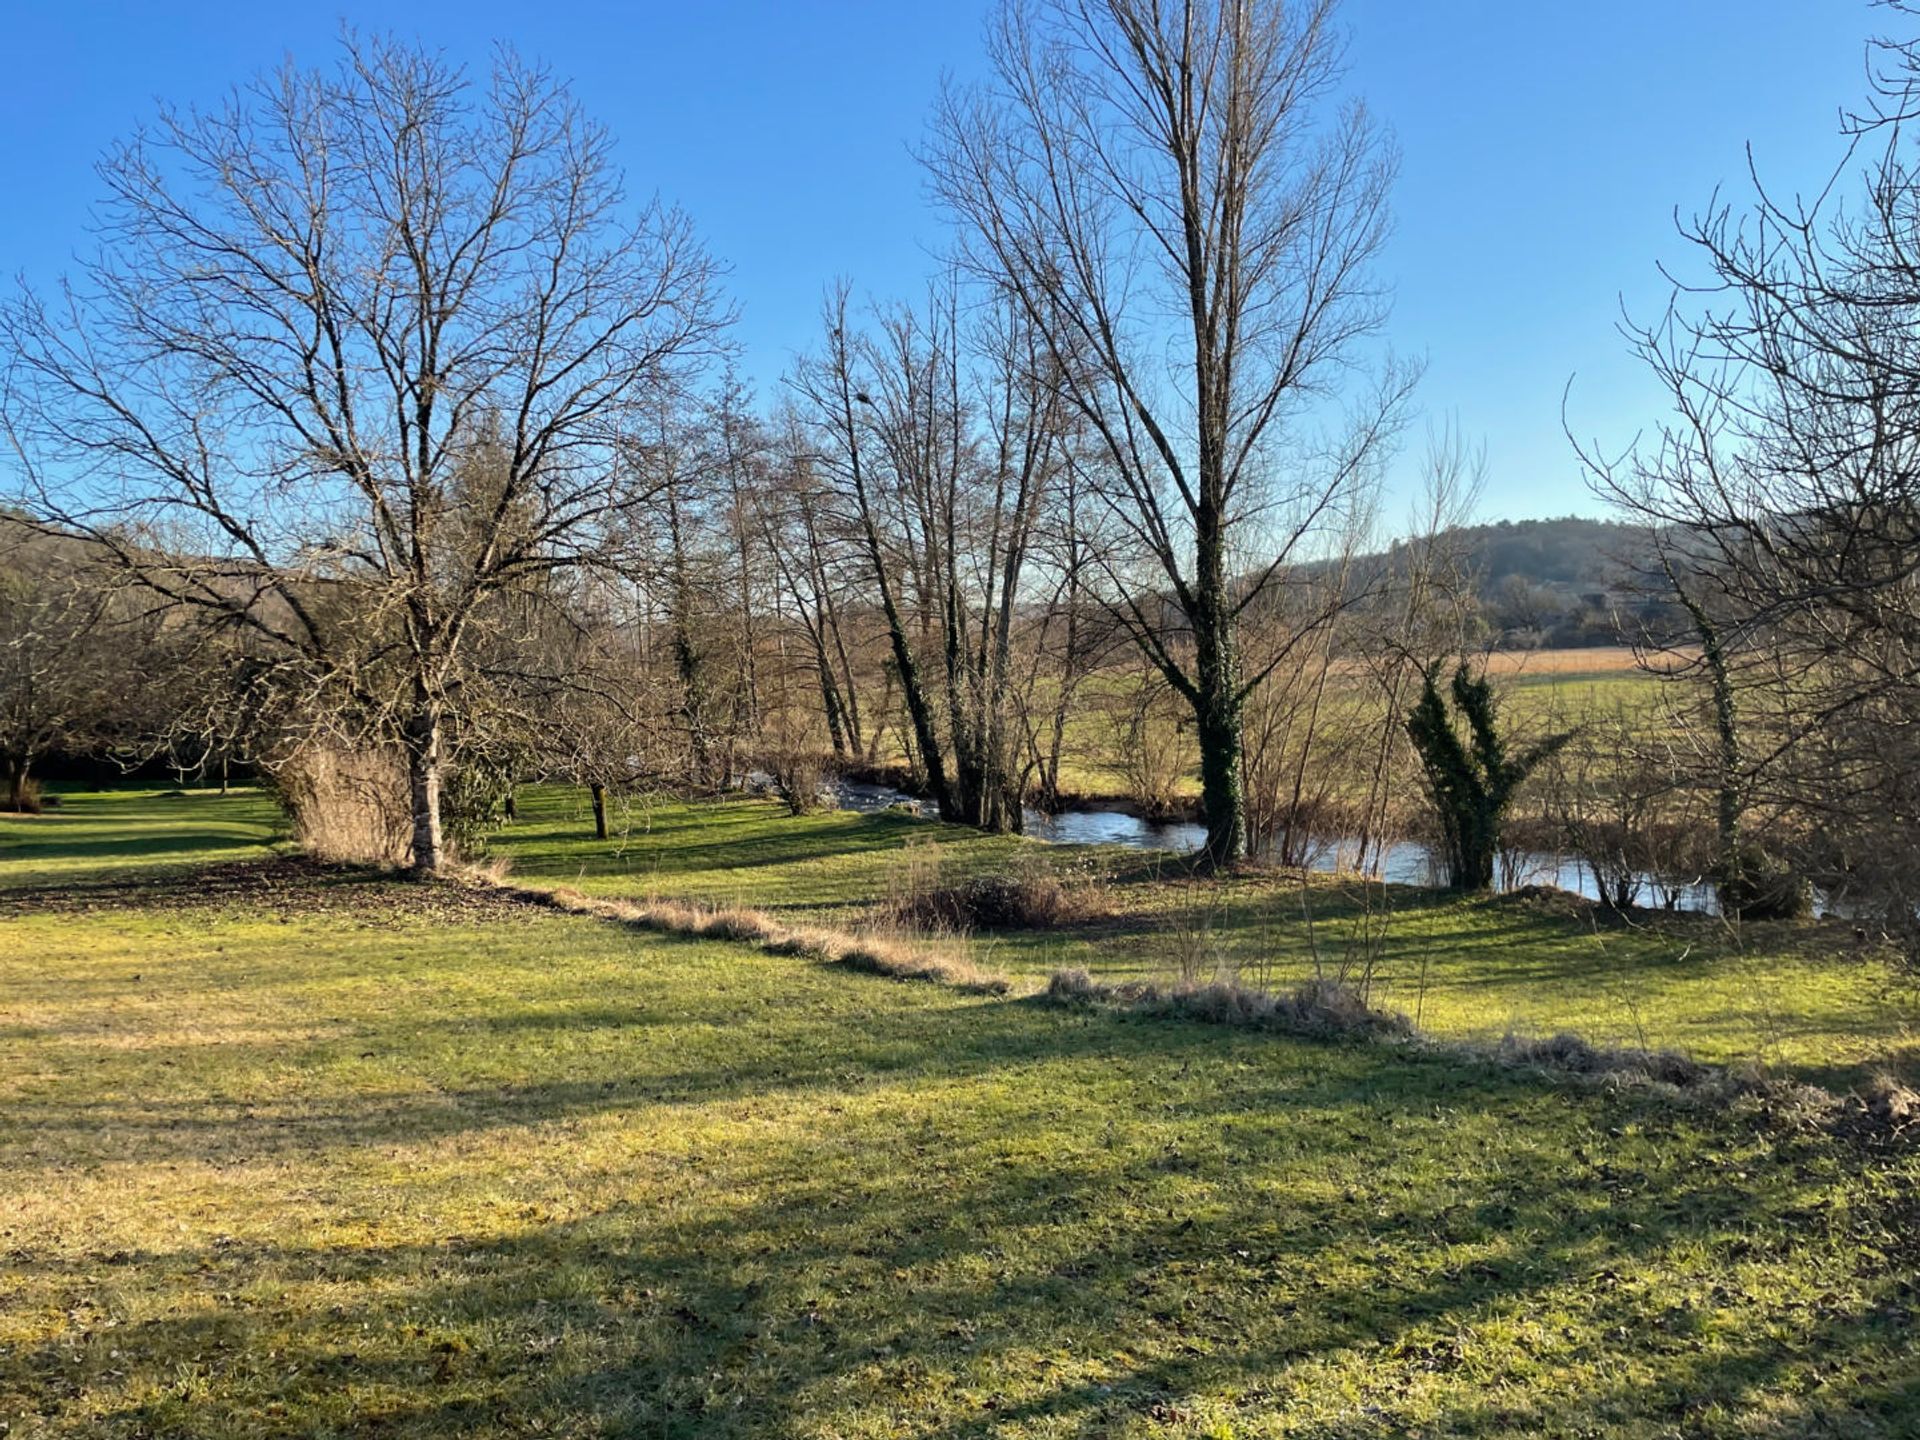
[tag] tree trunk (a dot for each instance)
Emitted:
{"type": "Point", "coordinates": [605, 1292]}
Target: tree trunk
{"type": "Point", "coordinates": [17, 768]}
{"type": "Point", "coordinates": [599, 810]}
{"type": "Point", "coordinates": [1728, 801]}
{"type": "Point", "coordinates": [689, 661]}
{"type": "Point", "coordinates": [830, 701]}
{"type": "Point", "coordinates": [1221, 793]}
{"type": "Point", "coordinates": [423, 786]}
{"type": "Point", "coordinates": [1215, 696]}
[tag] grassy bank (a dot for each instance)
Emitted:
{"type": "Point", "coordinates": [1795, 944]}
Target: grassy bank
{"type": "Point", "coordinates": [1810, 1000]}
{"type": "Point", "coordinates": [285, 1153]}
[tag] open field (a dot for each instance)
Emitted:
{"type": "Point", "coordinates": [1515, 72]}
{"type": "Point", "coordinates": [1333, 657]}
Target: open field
{"type": "Point", "coordinates": [1540, 690]}
{"type": "Point", "coordinates": [286, 1152]}
{"type": "Point", "coordinates": [132, 833]}
{"type": "Point", "coordinates": [1807, 1000]}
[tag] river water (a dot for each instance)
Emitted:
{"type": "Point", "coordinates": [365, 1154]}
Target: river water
{"type": "Point", "coordinates": [1406, 862]}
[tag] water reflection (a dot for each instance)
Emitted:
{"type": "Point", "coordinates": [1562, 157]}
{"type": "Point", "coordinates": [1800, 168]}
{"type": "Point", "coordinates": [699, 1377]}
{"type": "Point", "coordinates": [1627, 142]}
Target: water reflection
{"type": "Point", "coordinates": [1406, 862]}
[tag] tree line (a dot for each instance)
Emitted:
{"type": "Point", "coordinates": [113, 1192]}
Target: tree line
{"type": "Point", "coordinates": [384, 421]}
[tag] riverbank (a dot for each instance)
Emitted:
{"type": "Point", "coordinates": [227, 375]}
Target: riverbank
{"type": "Point", "coordinates": [1809, 1000]}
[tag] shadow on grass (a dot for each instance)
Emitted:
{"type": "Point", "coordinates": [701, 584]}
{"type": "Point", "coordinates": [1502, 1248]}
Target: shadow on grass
{"type": "Point", "coordinates": [1256, 1240]}
{"type": "Point", "coordinates": [49, 843]}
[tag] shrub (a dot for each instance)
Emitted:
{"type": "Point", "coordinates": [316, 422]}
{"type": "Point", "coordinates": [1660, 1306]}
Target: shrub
{"type": "Point", "coordinates": [1039, 900]}
{"type": "Point", "coordinates": [26, 798]}
{"type": "Point", "coordinates": [346, 805]}
{"type": "Point", "coordinates": [1756, 885]}
{"type": "Point", "coordinates": [799, 776]}
{"type": "Point", "coordinates": [473, 803]}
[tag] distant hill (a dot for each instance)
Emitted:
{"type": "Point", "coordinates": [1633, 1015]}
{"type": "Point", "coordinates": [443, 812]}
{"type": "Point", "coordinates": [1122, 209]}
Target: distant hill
{"type": "Point", "coordinates": [1570, 554]}
{"type": "Point", "coordinates": [1554, 582]}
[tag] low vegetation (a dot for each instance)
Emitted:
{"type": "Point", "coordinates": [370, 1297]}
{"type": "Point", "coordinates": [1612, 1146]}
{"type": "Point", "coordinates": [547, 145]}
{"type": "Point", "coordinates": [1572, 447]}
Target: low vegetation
{"type": "Point", "coordinates": [290, 1150]}
{"type": "Point", "coordinates": [1814, 1001]}
{"type": "Point", "coordinates": [513, 1062]}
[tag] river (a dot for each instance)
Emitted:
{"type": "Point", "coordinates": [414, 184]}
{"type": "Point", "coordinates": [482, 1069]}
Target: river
{"type": "Point", "coordinates": [1407, 862]}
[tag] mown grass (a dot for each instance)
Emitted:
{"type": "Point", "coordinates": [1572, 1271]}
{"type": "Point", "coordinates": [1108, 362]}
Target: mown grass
{"type": "Point", "coordinates": [343, 1157]}
{"type": "Point", "coordinates": [1810, 1000]}
{"type": "Point", "coordinates": [123, 832]}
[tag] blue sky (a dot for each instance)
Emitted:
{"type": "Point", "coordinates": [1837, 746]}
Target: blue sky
{"type": "Point", "coordinates": [1545, 148]}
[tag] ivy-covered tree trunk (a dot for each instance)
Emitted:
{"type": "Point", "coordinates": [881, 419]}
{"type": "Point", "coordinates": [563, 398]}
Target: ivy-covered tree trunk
{"type": "Point", "coordinates": [1216, 694]}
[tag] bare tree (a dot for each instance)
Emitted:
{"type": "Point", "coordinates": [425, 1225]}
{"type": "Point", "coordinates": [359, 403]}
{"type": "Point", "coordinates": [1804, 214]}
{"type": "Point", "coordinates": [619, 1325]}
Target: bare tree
{"type": "Point", "coordinates": [55, 622]}
{"type": "Point", "coordinates": [1784, 492]}
{"type": "Point", "coordinates": [855, 451]}
{"type": "Point", "coordinates": [309, 305]}
{"type": "Point", "coordinates": [742, 446]}
{"type": "Point", "coordinates": [1164, 191]}
{"type": "Point", "coordinates": [792, 515]}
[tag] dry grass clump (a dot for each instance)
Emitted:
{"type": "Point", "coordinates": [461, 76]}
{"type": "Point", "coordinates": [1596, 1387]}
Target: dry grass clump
{"type": "Point", "coordinates": [1036, 901]}
{"type": "Point", "coordinates": [1885, 1108]}
{"type": "Point", "coordinates": [1317, 1007]}
{"type": "Point", "coordinates": [1571, 1053]}
{"type": "Point", "coordinates": [347, 806]}
{"type": "Point", "coordinates": [1884, 1112]}
{"type": "Point", "coordinates": [878, 956]}
{"type": "Point", "coordinates": [872, 954]}
{"type": "Point", "coordinates": [922, 899]}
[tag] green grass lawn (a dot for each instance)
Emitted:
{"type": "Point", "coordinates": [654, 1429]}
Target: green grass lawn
{"type": "Point", "coordinates": [328, 1156]}
{"type": "Point", "coordinates": [124, 833]}
{"type": "Point", "coordinates": [1804, 999]}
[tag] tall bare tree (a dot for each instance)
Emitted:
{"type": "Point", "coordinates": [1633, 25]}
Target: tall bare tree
{"type": "Point", "coordinates": [1188, 219]}
{"type": "Point", "coordinates": [791, 513]}
{"type": "Point", "coordinates": [854, 452]}
{"type": "Point", "coordinates": [308, 305]}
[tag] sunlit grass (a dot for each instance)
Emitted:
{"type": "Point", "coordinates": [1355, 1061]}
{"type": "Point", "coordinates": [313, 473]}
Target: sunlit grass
{"type": "Point", "coordinates": [122, 833]}
{"type": "Point", "coordinates": [1807, 999]}
{"type": "Point", "coordinates": [373, 1159]}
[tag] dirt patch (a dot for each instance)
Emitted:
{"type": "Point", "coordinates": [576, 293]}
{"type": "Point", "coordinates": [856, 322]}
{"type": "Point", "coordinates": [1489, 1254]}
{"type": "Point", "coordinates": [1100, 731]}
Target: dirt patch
{"type": "Point", "coordinates": [284, 887]}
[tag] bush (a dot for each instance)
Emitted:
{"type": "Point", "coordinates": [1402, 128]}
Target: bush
{"type": "Point", "coordinates": [473, 802]}
{"type": "Point", "coordinates": [799, 776]}
{"type": "Point", "coordinates": [346, 805]}
{"type": "Point", "coordinates": [1037, 901]}
{"type": "Point", "coordinates": [26, 799]}
{"type": "Point", "coordinates": [1754, 885]}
